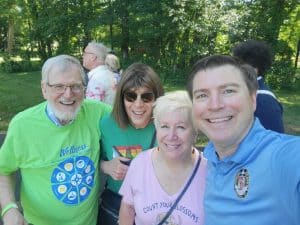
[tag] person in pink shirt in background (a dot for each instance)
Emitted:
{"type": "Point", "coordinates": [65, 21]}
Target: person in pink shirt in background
{"type": "Point", "coordinates": [158, 176]}
{"type": "Point", "coordinates": [101, 81]}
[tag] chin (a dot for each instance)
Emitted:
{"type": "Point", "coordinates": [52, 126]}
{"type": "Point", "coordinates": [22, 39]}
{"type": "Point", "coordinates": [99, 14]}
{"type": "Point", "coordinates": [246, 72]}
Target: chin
{"type": "Point", "coordinates": [66, 115]}
{"type": "Point", "coordinates": [140, 125]}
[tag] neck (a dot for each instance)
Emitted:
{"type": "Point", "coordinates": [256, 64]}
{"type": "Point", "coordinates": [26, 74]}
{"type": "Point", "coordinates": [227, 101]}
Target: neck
{"type": "Point", "coordinates": [176, 163]}
{"type": "Point", "coordinates": [65, 122]}
{"type": "Point", "coordinates": [225, 152]}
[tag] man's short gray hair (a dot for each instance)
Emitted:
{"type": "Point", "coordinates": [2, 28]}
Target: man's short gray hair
{"type": "Point", "coordinates": [99, 49]}
{"type": "Point", "coordinates": [63, 63]}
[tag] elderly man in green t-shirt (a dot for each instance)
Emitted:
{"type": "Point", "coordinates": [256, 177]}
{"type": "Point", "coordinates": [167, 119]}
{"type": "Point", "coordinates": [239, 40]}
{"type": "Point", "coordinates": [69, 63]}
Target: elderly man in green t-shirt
{"type": "Point", "coordinates": [55, 145]}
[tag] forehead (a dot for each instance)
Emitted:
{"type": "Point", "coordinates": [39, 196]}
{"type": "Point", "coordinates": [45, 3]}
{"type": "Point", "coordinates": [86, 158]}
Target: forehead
{"type": "Point", "coordinates": [140, 89]}
{"type": "Point", "coordinates": [179, 115]}
{"type": "Point", "coordinates": [218, 76]}
{"type": "Point", "coordinates": [66, 74]}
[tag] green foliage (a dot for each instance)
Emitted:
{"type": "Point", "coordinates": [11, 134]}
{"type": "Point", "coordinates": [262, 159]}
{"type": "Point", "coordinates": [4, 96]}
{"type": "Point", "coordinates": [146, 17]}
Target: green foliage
{"type": "Point", "coordinates": [170, 35]}
{"type": "Point", "coordinates": [283, 76]}
{"type": "Point", "coordinates": [12, 65]}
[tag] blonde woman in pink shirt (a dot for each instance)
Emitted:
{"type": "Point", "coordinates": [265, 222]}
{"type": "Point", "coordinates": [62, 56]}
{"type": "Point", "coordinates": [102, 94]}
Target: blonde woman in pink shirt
{"type": "Point", "coordinates": [165, 185]}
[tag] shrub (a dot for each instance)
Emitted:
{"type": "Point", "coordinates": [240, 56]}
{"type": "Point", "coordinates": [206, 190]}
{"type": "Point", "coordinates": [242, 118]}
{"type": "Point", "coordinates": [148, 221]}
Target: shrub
{"type": "Point", "coordinates": [12, 66]}
{"type": "Point", "coordinates": [282, 76]}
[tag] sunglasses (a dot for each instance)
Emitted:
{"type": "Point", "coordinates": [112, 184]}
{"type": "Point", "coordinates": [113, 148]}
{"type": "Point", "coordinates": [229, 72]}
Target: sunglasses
{"type": "Point", "coordinates": [145, 97]}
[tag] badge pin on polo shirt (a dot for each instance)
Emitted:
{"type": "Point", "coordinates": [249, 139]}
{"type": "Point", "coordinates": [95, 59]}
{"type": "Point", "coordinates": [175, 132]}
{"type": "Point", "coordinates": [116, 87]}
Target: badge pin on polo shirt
{"type": "Point", "coordinates": [241, 183]}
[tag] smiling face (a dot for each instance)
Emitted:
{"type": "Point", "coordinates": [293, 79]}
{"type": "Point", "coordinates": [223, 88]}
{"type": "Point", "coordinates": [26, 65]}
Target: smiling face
{"type": "Point", "coordinates": [139, 110]}
{"type": "Point", "coordinates": [175, 134]}
{"type": "Point", "coordinates": [66, 105]}
{"type": "Point", "coordinates": [222, 106]}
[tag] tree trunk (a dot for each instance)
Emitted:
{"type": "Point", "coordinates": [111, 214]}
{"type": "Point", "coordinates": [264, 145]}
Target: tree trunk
{"type": "Point", "coordinates": [125, 30]}
{"type": "Point", "coordinates": [10, 36]}
{"type": "Point", "coordinates": [297, 54]}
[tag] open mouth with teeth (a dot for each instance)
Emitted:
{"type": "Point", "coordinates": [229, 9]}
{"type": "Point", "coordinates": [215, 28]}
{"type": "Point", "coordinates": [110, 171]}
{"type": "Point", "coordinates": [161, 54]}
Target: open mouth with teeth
{"type": "Point", "coordinates": [172, 146]}
{"type": "Point", "coordinates": [220, 120]}
{"type": "Point", "coordinates": [67, 102]}
{"type": "Point", "coordinates": [138, 113]}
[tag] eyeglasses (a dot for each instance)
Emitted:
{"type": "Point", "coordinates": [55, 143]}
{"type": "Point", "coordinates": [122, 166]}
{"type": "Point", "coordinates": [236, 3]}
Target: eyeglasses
{"type": "Point", "coordinates": [145, 97]}
{"type": "Point", "coordinates": [60, 88]}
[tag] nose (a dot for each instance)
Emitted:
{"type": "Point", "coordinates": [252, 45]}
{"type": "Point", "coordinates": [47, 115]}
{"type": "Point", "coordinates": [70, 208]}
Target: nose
{"type": "Point", "coordinates": [139, 101]}
{"type": "Point", "coordinates": [173, 133]}
{"type": "Point", "coordinates": [215, 102]}
{"type": "Point", "coordinates": [68, 92]}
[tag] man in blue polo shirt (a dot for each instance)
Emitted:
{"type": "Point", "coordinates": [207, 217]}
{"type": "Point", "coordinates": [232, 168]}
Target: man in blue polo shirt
{"type": "Point", "coordinates": [253, 175]}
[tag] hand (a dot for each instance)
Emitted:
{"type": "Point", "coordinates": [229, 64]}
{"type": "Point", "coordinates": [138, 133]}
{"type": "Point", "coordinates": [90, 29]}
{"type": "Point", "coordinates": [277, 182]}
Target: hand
{"type": "Point", "coordinates": [14, 217]}
{"type": "Point", "coordinates": [115, 168]}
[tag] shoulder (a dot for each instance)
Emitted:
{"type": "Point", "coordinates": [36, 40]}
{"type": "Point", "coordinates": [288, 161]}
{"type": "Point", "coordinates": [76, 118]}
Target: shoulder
{"type": "Point", "coordinates": [288, 142]}
{"type": "Point", "coordinates": [90, 104]}
{"type": "Point", "coordinates": [141, 158]}
{"type": "Point", "coordinates": [285, 151]}
{"type": "Point", "coordinates": [32, 112]}
{"type": "Point", "coordinates": [108, 121]}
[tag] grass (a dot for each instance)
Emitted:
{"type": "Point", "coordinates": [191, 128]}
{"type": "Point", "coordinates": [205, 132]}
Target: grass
{"type": "Point", "coordinates": [291, 114]}
{"type": "Point", "coordinates": [19, 91]}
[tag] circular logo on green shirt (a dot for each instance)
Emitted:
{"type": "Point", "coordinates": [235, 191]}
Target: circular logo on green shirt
{"type": "Point", "coordinates": [73, 179]}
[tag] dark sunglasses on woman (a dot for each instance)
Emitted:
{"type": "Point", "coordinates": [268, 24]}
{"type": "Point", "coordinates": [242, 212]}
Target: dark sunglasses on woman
{"type": "Point", "coordinates": [132, 96]}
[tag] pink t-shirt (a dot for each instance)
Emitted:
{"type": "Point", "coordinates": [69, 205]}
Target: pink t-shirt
{"type": "Point", "coordinates": [142, 190]}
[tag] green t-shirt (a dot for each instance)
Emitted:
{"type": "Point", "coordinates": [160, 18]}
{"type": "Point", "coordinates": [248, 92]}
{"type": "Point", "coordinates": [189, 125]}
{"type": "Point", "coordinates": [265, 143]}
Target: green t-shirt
{"type": "Point", "coordinates": [59, 165]}
{"type": "Point", "coordinates": [127, 142]}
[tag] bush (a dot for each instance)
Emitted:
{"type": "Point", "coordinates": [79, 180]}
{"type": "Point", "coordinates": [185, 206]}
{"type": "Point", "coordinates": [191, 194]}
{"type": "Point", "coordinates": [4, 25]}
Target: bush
{"type": "Point", "coordinates": [283, 76]}
{"type": "Point", "coordinates": [12, 66]}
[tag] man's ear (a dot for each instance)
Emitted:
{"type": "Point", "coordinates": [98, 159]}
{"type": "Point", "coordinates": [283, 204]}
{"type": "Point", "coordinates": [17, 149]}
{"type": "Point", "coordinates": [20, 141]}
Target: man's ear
{"type": "Point", "coordinates": [253, 96]}
{"type": "Point", "coordinates": [44, 90]}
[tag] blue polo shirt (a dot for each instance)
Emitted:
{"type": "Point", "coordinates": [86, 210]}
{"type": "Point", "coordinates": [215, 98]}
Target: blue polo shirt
{"type": "Point", "coordinates": [258, 184]}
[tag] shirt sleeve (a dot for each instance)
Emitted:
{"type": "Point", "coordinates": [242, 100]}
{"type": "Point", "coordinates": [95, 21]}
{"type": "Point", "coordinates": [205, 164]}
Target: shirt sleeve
{"type": "Point", "coordinates": [8, 160]}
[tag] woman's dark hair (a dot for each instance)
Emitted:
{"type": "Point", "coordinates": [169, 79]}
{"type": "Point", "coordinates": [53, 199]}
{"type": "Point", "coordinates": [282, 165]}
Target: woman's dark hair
{"type": "Point", "coordinates": [135, 76]}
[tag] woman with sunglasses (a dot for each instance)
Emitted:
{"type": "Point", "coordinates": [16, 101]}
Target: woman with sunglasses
{"type": "Point", "coordinates": [128, 130]}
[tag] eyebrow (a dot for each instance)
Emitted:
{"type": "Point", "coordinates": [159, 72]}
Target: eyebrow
{"type": "Point", "coordinates": [219, 87]}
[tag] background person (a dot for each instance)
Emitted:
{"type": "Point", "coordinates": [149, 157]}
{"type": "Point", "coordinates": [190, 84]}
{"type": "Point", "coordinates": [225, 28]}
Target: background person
{"type": "Point", "coordinates": [101, 81]}
{"type": "Point", "coordinates": [113, 64]}
{"type": "Point", "coordinates": [252, 172]}
{"type": "Point", "coordinates": [156, 177]}
{"type": "Point", "coordinates": [126, 132]}
{"type": "Point", "coordinates": [268, 109]}
{"type": "Point", "coordinates": [55, 145]}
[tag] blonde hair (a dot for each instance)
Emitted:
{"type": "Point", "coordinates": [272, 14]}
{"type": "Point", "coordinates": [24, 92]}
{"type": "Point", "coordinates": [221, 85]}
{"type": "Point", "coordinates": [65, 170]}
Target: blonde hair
{"type": "Point", "coordinates": [112, 62]}
{"type": "Point", "coordinates": [172, 101]}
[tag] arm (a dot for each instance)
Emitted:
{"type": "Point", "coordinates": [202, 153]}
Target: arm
{"type": "Point", "coordinates": [126, 214]}
{"type": "Point", "coordinates": [13, 215]}
{"type": "Point", "coordinates": [115, 168]}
